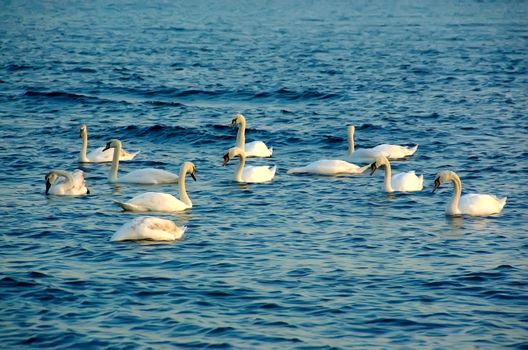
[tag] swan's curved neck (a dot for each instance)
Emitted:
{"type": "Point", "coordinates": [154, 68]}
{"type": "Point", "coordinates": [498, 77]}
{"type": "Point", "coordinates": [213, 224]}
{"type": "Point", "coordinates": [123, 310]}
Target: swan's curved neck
{"type": "Point", "coordinates": [238, 174]}
{"type": "Point", "coordinates": [84, 149]}
{"type": "Point", "coordinates": [388, 177]}
{"type": "Point", "coordinates": [350, 141]}
{"type": "Point", "coordinates": [66, 175]}
{"type": "Point", "coordinates": [241, 135]}
{"type": "Point", "coordinates": [183, 192]}
{"type": "Point", "coordinates": [452, 207]}
{"type": "Point", "coordinates": [112, 177]}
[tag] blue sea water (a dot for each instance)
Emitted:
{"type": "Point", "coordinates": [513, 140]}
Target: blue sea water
{"type": "Point", "coordinates": [305, 262]}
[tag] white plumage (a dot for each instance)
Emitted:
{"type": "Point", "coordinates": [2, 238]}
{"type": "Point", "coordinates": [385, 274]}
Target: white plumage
{"type": "Point", "coordinates": [469, 204]}
{"type": "Point", "coordinates": [63, 183]}
{"type": "Point", "coordinates": [147, 176]}
{"type": "Point", "coordinates": [149, 228]}
{"type": "Point", "coordinates": [252, 149]}
{"type": "Point", "coordinates": [99, 155]}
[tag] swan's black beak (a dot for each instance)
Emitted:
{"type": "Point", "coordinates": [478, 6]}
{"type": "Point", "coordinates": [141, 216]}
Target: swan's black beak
{"type": "Point", "coordinates": [193, 176]}
{"type": "Point", "coordinates": [436, 185]}
{"type": "Point", "coordinates": [107, 146]}
{"type": "Point", "coordinates": [226, 159]}
{"type": "Point", "coordinates": [48, 185]}
{"type": "Point", "coordinates": [80, 133]}
{"type": "Point", "coordinates": [233, 123]}
{"type": "Point", "coordinates": [373, 168]}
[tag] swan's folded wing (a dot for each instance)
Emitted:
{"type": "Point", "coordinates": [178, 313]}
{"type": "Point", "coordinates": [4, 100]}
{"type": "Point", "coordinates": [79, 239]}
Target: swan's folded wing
{"type": "Point", "coordinates": [258, 173]}
{"type": "Point", "coordinates": [480, 204]}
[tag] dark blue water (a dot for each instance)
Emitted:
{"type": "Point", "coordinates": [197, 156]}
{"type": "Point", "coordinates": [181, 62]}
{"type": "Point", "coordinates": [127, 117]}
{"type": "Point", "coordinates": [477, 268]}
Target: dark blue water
{"type": "Point", "coordinates": [304, 262]}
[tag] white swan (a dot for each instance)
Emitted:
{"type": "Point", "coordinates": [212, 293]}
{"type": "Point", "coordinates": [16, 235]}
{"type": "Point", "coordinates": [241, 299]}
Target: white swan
{"type": "Point", "coordinates": [149, 228]}
{"type": "Point", "coordinates": [98, 155]}
{"type": "Point", "coordinates": [468, 204]}
{"type": "Point", "coordinates": [365, 155]}
{"type": "Point", "coordinates": [330, 167]}
{"type": "Point", "coordinates": [148, 176]}
{"type": "Point", "coordinates": [252, 149]}
{"type": "Point", "coordinates": [63, 183]}
{"type": "Point", "coordinates": [163, 202]}
{"type": "Point", "coordinates": [249, 174]}
{"type": "Point", "coordinates": [401, 182]}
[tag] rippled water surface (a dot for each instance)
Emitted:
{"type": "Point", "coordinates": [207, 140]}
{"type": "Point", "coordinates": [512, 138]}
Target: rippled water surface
{"type": "Point", "coordinates": [302, 262]}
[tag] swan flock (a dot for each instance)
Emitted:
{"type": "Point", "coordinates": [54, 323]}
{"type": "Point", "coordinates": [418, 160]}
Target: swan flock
{"type": "Point", "coordinates": [64, 183]}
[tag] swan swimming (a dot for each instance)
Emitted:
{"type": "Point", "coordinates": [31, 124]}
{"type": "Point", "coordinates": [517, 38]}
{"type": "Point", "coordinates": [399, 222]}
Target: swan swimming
{"type": "Point", "coordinates": [330, 167]}
{"type": "Point", "coordinates": [468, 204]}
{"type": "Point", "coordinates": [401, 182]}
{"type": "Point", "coordinates": [163, 202]}
{"type": "Point", "coordinates": [98, 155]}
{"type": "Point", "coordinates": [367, 155]}
{"type": "Point", "coordinates": [148, 176]}
{"type": "Point", "coordinates": [63, 183]}
{"type": "Point", "coordinates": [249, 174]}
{"type": "Point", "coordinates": [149, 228]}
{"type": "Point", "coordinates": [252, 149]}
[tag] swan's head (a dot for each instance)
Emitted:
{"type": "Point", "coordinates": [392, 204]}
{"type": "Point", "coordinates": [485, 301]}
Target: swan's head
{"type": "Point", "coordinates": [50, 178]}
{"type": "Point", "coordinates": [83, 130]}
{"type": "Point", "coordinates": [232, 153]}
{"type": "Point", "coordinates": [351, 129]}
{"type": "Point", "coordinates": [191, 169]}
{"type": "Point", "coordinates": [112, 144]}
{"type": "Point", "coordinates": [238, 119]}
{"type": "Point", "coordinates": [442, 177]}
{"type": "Point", "coordinates": [380, 161]}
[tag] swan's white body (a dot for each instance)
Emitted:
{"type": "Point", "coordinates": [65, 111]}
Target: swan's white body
{"type": "Point", "coordinates": [98, 155]}
{"type": "Point", "coordinates": [252, 149]}
{"type": "Point", "coordinates": [63, 183]}
{"type": "Point", "coordinates": [401, 182]}
{"type": "Point", "coordinates": [366, 155]}
{"type": "Point", "coordinates": [149, 228]}
{"type": "Point", "coordinates": [249, 174]}
{"type": "Point", "coordinates": [148, 176]}
{"type": "Point", "coordinates": [162, 202]}
{"type": "Point", "coordinates": [469, 204]}
{"type": "Point", "coordinates": [330, 167]}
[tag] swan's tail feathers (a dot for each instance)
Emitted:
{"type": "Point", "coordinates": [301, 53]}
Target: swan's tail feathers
{"type": "Point", "coordinates": [503, 202]}
{"type": "Point", "coordinates": [363, 169]}
{"type": "Point", "coordinates": [128, 207]}
{"type": "Point", "coordinates": [273, 170]}
{"type": "Point", "coordinates": [133, 155]}
{"type": "Point", "coordinates": [412, 150]}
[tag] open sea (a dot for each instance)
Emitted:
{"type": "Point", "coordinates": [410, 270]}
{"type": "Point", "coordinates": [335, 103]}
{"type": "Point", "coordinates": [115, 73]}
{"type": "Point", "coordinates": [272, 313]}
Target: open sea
{"type": "Point", "coordinates": [304, 262]}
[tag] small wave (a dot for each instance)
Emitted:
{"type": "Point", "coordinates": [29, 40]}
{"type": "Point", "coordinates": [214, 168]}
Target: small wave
{"type": "Point", "coordinates": [17, 67]}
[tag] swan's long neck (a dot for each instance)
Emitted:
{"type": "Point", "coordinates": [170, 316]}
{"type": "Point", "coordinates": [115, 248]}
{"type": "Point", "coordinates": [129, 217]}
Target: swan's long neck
{"type": "Point", "coordinates": [84, 149]}
{"type": "Point", "coordinates": [388, 177]}
{"type": "Point", "coordinates": [183, 192]}
{"type": "Point", "coordinates": [452, 207]}
{"type": "Point", "coordinates": [241, 135]}
{"type": "Point", "coordinates": [238, 174]}
{"type": "Point", "coordinates": [350, 140]}
{"type": "Point", "coordinates": [66, 175]}
{"type": "Point", "coordinates": [112, 177]}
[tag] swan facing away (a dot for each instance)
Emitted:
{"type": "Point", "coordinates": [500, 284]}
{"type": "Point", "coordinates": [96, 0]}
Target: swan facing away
{"type": "Point", "coordinates": [367, 155]}
{"type": "Point", "coordinates": [147, 176]}
{"type": "Point", "coordinates": [468, 204]}
{"type": "Point", "coordinates": [252, 149]}
{"type": "Point", "coordinates": [401, 182]}
{"type": "Point", "coordinates": [98, 155]}
{"type": "Point", "coordinates": [63, 183]}
{"type": "Point", "coordinates": [163, 202]}
{"type": "Point", "coordinates": [149, 228]}
{"type": "Point", "coordinates": [249, 174]}
{"type": "Point", "coordinates": [330, 167]}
